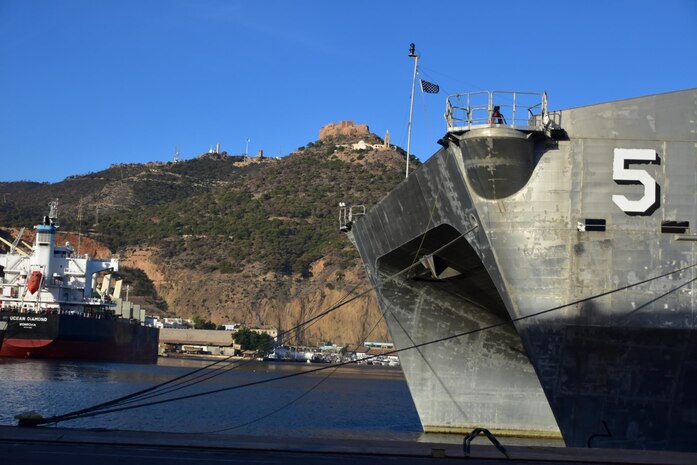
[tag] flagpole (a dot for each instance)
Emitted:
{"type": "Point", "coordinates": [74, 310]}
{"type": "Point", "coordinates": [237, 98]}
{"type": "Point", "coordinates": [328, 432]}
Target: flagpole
{"type": "Point", "coordinates": [412, 54]}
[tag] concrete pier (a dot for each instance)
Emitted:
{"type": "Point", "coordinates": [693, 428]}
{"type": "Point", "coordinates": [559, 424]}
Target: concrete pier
{"type": "Point", "coordinates": [79, 446]}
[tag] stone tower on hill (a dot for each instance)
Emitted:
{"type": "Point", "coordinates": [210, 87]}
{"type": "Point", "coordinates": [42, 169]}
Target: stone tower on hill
{"type": "Point", "coordinates": [343, 128]}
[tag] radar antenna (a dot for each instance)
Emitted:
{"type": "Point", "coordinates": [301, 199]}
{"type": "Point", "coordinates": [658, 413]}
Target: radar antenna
{"type": "Point", "coordinates": [53, 211]}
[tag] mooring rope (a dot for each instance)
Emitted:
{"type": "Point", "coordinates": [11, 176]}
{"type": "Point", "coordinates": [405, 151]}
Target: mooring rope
{"type": "Point", "coordinates": [90, 412]}
{"type": "Point", "coordinates": [135, 395]}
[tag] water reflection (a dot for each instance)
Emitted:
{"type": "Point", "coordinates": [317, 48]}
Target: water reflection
{"type": "Point", "coordinates": [359, 402]}
{"type": "Point", "coordinates": [354, 399]}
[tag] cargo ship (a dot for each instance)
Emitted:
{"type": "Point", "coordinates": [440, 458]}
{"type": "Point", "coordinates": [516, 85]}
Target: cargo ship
{"type": "Point", "coordinates": [57, 305]}
{"type": "Point", "coordinates": [553, 256]}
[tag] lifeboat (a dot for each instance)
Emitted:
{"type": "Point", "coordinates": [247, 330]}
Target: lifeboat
{"type": "Point", "coordinates": [34, 281]}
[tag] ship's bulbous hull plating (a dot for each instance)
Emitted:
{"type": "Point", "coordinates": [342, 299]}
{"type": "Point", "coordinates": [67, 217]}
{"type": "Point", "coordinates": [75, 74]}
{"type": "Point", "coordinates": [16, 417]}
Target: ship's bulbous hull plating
{"type": "Point", "coordinates": [498, 161]}
{"type": "Point", "coordinates": [579, 257]}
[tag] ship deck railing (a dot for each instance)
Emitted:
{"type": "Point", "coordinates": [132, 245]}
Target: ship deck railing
{"type": "Point", "coordinates": [525, 111]}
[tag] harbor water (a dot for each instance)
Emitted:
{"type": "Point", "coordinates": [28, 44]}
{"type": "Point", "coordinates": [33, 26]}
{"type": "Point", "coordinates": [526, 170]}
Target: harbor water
{"type": "Point", "coordinates": [349, 401]}
{"type": "Point", "coordinates": [355, 401]}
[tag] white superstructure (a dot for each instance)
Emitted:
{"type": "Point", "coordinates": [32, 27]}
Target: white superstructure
{"type": "Point", "coordinates": [48, 277]}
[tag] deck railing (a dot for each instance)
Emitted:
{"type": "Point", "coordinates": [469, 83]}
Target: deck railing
{"type": "Point", "coordinates": [518, 110]}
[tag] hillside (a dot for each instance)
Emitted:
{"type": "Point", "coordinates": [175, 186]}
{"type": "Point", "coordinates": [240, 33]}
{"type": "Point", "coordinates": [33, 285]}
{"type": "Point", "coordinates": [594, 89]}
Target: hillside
{"type": "Point", "coordinates": [229, 238]}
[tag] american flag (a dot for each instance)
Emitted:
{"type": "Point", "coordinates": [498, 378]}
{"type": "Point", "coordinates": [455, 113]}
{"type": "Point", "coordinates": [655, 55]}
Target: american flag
{"type": "Point", "coordinates": [429, 87]}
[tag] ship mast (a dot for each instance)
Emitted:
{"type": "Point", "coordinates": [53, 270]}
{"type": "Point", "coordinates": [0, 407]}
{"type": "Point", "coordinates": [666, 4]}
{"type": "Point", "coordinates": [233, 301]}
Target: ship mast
{"type": "Point", "coordinates": [412, 54]}
{"type": "Point", "coordinates": [79, 226]}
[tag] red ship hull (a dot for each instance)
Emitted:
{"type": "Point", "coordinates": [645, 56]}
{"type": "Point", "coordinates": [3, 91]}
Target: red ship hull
{"type": "Point", "coordinates": [74, 337]}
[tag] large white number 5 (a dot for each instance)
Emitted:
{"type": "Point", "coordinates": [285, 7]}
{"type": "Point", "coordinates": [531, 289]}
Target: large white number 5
{"type": "Point", "coordinates": [622, 175]}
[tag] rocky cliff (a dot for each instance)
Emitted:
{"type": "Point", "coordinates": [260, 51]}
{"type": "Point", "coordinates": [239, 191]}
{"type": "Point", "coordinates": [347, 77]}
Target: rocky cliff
{"type": "Point", "coordinates": [229, 240]}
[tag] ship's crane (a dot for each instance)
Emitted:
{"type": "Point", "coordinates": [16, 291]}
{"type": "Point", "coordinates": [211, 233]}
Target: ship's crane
{"type": "Point", "coordinates": [13, 245]}
{"type": "Point", "coordinates": [17, 239]}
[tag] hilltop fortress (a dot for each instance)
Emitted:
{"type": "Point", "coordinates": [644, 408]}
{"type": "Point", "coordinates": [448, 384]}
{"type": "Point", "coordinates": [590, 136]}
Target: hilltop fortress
{"type": "Point", "coordinates": [349, 128]}
{"type": "Point", "coordinates": [343, 128]}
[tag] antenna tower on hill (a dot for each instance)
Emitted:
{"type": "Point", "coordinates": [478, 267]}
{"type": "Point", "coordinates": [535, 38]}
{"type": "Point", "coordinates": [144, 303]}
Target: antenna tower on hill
{"type": "Point", "coordinates": [177, 159]}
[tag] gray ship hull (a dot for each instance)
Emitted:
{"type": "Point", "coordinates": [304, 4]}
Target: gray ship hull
{"type": "Point", "coordinates": [577, 234]}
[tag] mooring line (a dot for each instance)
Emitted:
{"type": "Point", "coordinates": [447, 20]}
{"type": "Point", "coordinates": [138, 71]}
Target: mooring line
{"type": "Point", "coordinates": [76, 415]}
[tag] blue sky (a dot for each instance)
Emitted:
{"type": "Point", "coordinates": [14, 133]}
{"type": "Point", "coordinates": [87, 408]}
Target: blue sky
{"type": "Point", "coordinates": [84, 84]}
